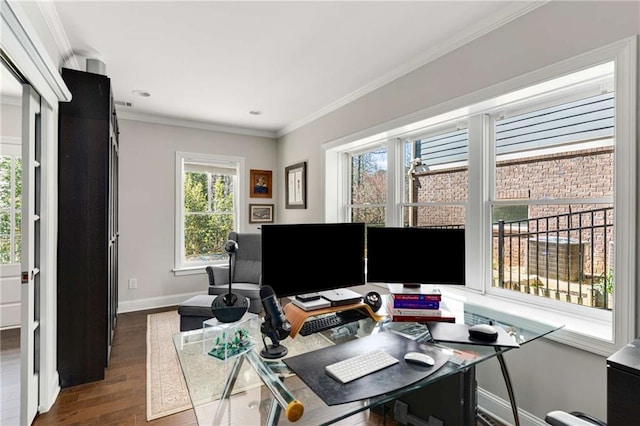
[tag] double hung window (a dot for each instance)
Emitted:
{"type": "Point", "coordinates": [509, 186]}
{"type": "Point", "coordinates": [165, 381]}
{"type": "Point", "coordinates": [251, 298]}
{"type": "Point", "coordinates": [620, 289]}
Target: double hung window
{"type": "Point", "coordinates": [207, 207]}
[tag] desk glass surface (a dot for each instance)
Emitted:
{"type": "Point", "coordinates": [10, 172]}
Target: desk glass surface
{"type": "Point", "coordinates": [252, 402]}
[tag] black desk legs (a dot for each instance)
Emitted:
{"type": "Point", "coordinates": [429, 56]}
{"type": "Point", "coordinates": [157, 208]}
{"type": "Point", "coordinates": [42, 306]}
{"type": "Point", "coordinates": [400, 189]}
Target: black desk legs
{"type": "Point", "coordinates": [507, 382]}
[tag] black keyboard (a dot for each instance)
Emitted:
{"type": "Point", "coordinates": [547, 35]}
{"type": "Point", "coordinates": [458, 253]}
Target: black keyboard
{"type": "Point", "coordinates": [327, 322]}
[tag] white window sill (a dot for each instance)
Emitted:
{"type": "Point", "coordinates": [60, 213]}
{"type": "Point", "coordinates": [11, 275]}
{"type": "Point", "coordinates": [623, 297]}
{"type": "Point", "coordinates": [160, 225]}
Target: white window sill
{"type": "Point", "coordinates": [191, 270]}
{"type": "Point", "coordinates": [592, 333]}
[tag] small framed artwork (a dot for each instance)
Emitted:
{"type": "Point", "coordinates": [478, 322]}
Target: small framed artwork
{"type": "Point", "coordinates": [295, 179]}
{"type": "Point", "coordinates": [260, 183]}
{"type": "Point", "coordinates": [260, 213]}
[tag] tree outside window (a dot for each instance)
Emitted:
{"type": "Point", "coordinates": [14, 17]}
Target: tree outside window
{"type": "Point", "coordinates": [10, 209]}
{"type": "Point", "coordinates": [208, 212]}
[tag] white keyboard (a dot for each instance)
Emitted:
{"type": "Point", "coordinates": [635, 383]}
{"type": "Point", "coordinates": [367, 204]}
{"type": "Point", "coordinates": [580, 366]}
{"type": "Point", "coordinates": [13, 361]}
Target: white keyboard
{"type": "Point", "coordinates": [359, 366]}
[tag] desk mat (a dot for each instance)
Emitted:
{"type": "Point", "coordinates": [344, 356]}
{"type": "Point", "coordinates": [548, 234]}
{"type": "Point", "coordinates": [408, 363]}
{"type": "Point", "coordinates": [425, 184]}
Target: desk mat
{"type": "Point", "coordinates": [310, 368]}
{"type": "Point", "coordinates": [459, 333]}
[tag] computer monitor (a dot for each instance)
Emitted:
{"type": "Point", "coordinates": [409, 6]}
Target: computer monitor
{"type": "Point", "coordinates": [312, 257]}
{"type": "Point", "coordinates": [414, 256]}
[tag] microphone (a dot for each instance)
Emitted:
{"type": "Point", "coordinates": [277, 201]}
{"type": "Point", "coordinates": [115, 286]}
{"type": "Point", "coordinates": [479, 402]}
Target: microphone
{"type": "Point", "coordinates": [275, 326]}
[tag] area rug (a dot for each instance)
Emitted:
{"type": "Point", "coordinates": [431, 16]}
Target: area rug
{"type": "Point", "coordinates": [167, 391]}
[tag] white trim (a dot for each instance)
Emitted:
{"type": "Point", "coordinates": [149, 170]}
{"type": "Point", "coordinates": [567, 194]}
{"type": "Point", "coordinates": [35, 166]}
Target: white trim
{"type": "Point", "coordinates": [627, 204]}
{"type": "Point", "coordinates": [59, 35]}
{"type": "Point", "coordinates": [154, 302]}
{"type": "Point", "coordinates": [11, 100]}
{"type": "Point", "coordinates": [25, 49]}
{"type": "Point", "coordinates": [49, 380]}
{"type": "Point", "coordinates": [158, 119]}
{"type": "Point", "coordinates": [500, 409]}
{"type": "Point", "coordinates": [506, 14]}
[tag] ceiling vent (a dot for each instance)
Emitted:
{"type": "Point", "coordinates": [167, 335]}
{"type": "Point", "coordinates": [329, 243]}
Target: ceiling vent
{"type": "Point", "coordinates": [124, 104]}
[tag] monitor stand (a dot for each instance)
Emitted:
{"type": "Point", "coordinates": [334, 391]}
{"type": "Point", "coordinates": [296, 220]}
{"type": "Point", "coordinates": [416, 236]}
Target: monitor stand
{"type": "Point", "coordinates": [297, 316]}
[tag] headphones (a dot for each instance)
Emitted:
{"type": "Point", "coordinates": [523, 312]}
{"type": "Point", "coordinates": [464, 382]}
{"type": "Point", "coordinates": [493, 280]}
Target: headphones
{"type": "Point", "coordinates": [374, 300]}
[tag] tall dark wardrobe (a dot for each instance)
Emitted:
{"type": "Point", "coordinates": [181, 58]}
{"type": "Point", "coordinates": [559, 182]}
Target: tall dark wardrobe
{"type": "Point", "coordinates": [87, 228]}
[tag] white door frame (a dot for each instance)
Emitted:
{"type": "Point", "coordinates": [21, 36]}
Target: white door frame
{"type": "Point", "coordinates": [21, 43]}
{"type": "Point", "coordinates": [30, 330]}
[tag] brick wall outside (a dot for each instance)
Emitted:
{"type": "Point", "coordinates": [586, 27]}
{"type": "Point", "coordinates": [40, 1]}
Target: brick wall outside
{"type": "Point", "coordinates": [574, 174]}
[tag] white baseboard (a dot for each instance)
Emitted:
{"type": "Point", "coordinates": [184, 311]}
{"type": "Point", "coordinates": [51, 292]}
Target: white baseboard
{"type": "Point", "coordinates": [52, 394]}
{"type": "Point", "coordinates": [154, 302]}
{"type": "Point", "coordinates": [500, 409]}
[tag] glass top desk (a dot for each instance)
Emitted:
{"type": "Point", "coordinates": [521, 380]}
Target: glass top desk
{"type": "Point", "coordinates": [248, 389]}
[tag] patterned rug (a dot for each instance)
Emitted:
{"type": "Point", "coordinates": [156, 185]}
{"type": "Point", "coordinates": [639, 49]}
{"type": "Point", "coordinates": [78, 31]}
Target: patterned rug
{"type": "Point", "coordinates": [167, 391]}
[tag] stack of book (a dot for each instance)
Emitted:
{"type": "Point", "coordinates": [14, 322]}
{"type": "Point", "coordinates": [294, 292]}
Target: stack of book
{"type": "Point", "coordinates": [416, 304]}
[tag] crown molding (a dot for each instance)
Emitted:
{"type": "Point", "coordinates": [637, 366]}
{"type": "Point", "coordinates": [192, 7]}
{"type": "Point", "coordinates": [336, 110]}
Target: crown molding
{"type": "Point", "coordinates": [11, 100]}
{"type": "Point", "coordinates": [169, 121]}
{"type": "Point", "coordinates": [21, 43]}
{"type": "Point", "coordinates": [52, 19]}
{"type": "Point", "coordinates": [482, 27]}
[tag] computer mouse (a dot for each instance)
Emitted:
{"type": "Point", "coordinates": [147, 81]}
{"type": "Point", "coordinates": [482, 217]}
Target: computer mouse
{"type": "Point", "coordinates": [484, 332]}
{"type": "Point", "coordinates": [419, 358]}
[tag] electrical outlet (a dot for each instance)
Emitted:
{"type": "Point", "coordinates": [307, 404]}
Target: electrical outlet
{"type": "Point", "coordinates": [133, 283]}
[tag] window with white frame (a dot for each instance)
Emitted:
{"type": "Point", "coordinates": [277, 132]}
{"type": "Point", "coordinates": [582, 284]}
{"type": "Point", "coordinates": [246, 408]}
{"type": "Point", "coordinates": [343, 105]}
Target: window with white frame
{"type": "Point", "coordinates": [435, 185]}
{"type": "Point", "coordinates": [531, 175]}
{"type": "Point", "coordinates": [368, 186]}
{"type": "Point", "coordinates": [206, 211]}
{"type": "Point", "coordinates": [10, 204]}
{"type": "Point", "coordinates": [552, 203]}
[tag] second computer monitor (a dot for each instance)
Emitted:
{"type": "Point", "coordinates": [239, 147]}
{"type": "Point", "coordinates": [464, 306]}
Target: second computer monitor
{"type": "Point", "coordinates": [414, 256]}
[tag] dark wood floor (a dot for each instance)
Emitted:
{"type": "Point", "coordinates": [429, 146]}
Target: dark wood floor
{"type": "Point", "coordinates": [119, 399]}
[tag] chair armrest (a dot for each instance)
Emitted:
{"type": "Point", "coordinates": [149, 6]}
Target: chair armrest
{"type": "Point", "coordinates": [219, 274]}
{"type": "Point", "coordinates": [562, 418]}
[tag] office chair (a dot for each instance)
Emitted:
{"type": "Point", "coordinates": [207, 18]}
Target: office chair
{"type": "Point", "coordinates": [246, 268]}
{"type": "Point", "coordinates": [573, 418]}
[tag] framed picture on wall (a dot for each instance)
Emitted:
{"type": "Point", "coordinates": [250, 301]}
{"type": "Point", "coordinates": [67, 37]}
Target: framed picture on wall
{"type": "Point", "coordinates": [295, 179]}
{"type": "Point", "coordinates": [260, 184]}
{"type": "Point", "coordinates": [260, 213]}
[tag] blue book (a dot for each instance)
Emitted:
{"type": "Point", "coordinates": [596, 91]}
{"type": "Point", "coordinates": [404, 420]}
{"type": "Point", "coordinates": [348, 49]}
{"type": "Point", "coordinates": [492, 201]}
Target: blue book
{"type": "Point", "coordinates": [416, 304]}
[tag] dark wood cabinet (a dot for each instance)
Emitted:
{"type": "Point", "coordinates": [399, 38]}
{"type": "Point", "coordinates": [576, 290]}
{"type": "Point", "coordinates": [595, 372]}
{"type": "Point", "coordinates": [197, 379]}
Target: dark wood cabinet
{"type": "Point", "coordinates": [623, 386]}
{"type": "Point", "coordinates": [87, 290]}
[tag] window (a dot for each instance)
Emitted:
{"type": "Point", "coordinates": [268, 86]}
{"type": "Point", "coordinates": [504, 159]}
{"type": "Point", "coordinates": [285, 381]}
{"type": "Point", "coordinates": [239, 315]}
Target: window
{"type": "Point", "coordinates": [556, 164]}
{"type": "Point", "coordinates": [436, 179]}
{"type": "Point", "coordinates": [10, 204]}
{"type": "Point", "coordinates": [208, 194]}
{"type": "Point", "coordinates": [543, 180]}
{"type": "Point", "coordinates": [368, 188]}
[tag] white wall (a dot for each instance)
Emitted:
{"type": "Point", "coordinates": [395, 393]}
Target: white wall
{"type": "Point", "coordinates": [147, 205]}
{"type": "Point", "coordinates": [546, 375]}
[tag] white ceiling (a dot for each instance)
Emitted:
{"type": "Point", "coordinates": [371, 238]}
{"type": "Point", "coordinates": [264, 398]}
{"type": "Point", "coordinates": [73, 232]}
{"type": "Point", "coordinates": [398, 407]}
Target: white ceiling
{"type": "Point", "coordinates": [213, 61]}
